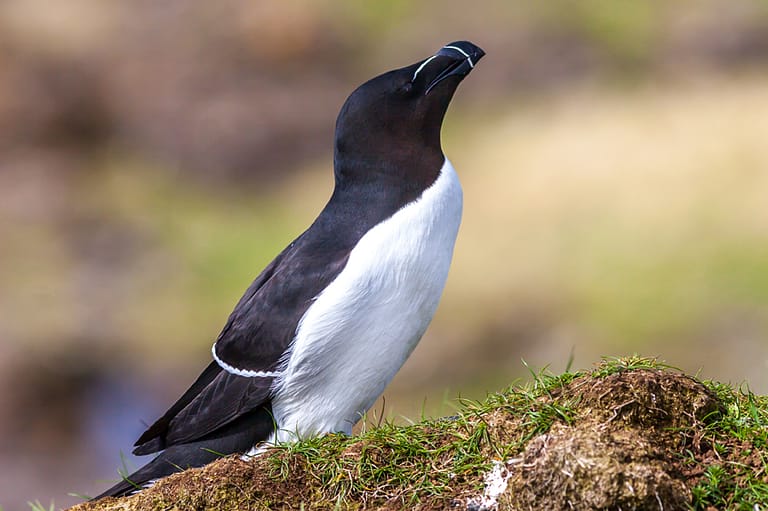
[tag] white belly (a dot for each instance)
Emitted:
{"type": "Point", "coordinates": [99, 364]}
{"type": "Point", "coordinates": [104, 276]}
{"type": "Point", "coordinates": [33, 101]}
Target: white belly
{"type": "Point", "coordinates": [360, 330]}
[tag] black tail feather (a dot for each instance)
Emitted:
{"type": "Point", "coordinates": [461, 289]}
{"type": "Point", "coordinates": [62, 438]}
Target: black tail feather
{"type": "Point", "coordinates": [237, 437]}
{"type": "Point", "coordinates": [152, 440]}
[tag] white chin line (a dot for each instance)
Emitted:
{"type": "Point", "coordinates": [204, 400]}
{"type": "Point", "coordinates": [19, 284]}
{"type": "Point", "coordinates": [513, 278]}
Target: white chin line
{"type": "Point", "coordinates": [469, 59]}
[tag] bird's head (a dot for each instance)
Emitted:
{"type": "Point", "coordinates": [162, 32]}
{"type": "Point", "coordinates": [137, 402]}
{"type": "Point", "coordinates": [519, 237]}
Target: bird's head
{"type": "Point", "coordinates": [398, 115]}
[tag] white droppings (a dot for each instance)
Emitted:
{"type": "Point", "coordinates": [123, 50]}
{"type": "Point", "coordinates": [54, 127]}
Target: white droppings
{"type": "Point", "coordinates": [495, 486]}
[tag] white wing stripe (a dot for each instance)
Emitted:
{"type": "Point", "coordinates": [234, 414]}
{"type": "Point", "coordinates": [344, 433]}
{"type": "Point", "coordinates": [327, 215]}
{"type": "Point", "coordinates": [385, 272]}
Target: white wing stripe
{"type": "Point", "coordinates": [247, 373]}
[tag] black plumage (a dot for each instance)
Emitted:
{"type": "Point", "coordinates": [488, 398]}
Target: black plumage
{"type": "Point", "coordinates": [387, 152]}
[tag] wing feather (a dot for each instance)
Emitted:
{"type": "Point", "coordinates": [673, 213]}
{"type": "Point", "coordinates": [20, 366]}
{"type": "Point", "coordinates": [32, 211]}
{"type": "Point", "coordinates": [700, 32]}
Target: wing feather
{"type": "Point", "coordinates": [255, 338]}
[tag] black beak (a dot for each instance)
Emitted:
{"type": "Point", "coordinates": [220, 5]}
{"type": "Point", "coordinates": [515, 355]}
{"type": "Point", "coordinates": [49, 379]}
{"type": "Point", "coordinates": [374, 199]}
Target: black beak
{"type": "Point", "coordinates": [460, 59]}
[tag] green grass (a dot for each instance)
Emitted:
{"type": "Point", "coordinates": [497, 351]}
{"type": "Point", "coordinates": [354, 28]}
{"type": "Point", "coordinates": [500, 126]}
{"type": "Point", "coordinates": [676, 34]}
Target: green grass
{"type": "Point", "coordinates": [416, 462]}
{"type": "Point", "coordinates": [37, 506]}
{"type": "Point", "coordinates": [420, 461]}
{"type": "Point", "coordinates": [742, 432]}
{"type": "Point", "coordinates": [709, 438]}
{"type": "Point", "coordinates": [426, 459]}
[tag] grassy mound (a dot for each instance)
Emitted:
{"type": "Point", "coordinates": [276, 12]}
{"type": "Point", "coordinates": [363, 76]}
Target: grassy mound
{"type": "Point", "coordinates": [631, 434]}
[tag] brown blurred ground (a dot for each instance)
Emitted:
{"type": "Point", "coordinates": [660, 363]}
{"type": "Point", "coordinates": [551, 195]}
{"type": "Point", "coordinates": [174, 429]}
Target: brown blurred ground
{"type": "Point", "coordinates": [153, 157]}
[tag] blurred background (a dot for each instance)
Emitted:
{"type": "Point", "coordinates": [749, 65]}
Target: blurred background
{"type": "Point", "coordinates": [154, 156]}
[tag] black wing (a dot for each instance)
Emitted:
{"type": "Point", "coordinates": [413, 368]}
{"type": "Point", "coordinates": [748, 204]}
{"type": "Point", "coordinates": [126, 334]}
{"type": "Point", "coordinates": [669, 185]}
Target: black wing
{"type": "Point", "coordinates": [262, 326]}
{"type": "Point", "coordinates": [238, 436]}
{"type": "Point", "coordinates": [255, 338]}
{"type": "Point", "coordinates": [153, 439]}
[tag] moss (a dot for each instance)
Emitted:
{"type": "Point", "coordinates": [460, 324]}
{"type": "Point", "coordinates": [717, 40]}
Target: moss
{"type": "Point", "coordinates": [631, 434]}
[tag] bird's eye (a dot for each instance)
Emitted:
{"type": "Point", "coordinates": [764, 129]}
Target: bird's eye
{"type": "Point", "coordinates": [405, 88]}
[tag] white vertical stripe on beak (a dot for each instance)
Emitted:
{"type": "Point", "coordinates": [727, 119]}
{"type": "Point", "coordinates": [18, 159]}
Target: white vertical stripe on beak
{"type": "Point", "coordinates": [469, 59]}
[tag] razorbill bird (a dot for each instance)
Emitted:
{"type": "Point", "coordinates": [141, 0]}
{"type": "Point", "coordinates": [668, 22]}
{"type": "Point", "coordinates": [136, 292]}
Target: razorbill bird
{"type": "Point", "coordinates": [322, 330]}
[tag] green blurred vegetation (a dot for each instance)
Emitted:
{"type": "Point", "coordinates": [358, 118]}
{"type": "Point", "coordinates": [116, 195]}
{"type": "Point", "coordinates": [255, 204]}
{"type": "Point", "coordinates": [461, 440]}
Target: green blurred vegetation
{"type": "Point", "coordinates": [154, 158]}
{"type": "Point", "coordinates": [629, 218]}
{"type": "Point", "coordinates": [214, 245]}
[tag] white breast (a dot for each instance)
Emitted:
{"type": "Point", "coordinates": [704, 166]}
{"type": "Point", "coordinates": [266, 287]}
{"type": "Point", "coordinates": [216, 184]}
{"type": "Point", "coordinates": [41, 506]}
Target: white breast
{"type": "Point", "coordinates": [360, 330]}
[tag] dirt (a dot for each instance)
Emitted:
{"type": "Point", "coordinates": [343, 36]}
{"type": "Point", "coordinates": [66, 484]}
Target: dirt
{"type": "Point", "coordinates": [623, 451]}
{"type": "Point", "coordinates": [635, 440]}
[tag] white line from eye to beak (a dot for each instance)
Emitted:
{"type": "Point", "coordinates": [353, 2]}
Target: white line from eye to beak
{"type": "Point", "coordinates": [422, 67]}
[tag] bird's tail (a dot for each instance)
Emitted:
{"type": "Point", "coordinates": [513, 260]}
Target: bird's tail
{"type": "Point", "coordinates": [163, 465]}
{"type": "Point", "coordinates": [237, 437]}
